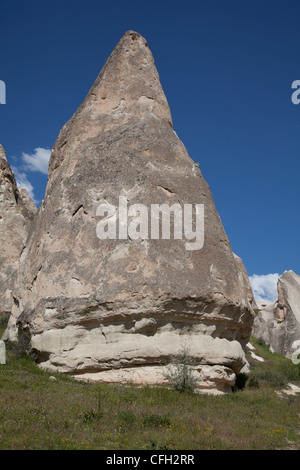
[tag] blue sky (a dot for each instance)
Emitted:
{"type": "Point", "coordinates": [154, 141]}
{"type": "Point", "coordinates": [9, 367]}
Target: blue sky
{"type": "Point", "coordinates": [227, 69]}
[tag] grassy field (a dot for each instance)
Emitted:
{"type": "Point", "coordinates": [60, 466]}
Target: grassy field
{"type": "Point", "coordinates": [39, 413]}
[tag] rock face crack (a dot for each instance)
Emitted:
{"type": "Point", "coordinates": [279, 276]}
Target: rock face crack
{"type": "Point", "coordinates": [77, 210]}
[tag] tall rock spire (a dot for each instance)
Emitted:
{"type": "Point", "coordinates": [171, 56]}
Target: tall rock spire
{"type": "Point", "coordinates": [126, 92]}
{"type": "Point", "coordinates": [16, 214]}
{"type": "Point", "coordinates": [2, 153]}
{"type": "Point", "coordinates": [112, 308]}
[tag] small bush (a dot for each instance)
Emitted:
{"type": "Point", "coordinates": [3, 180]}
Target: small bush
{"type": "Point", "coordinates": [253, 382]}
{"type": "Point", "coordinates": [179, 372]}
{"type": "Point", "coordinates": [17, 348]}
{"type": "Point", "coordinates": [290, 370]}
{"type": "Point", "coordinates": [4, 320]}
{"type": "Point", "coordinates": [272, 377]}
{"type": "Point", "coordinates": [127, 418]}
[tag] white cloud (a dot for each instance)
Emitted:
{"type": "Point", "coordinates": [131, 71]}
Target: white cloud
{"type": "Point", "coordinates": [265, 287]}
{"type": "Point", "coordinates": [22, 182]}
{"type": "Point", "coordinates": [37, 161]}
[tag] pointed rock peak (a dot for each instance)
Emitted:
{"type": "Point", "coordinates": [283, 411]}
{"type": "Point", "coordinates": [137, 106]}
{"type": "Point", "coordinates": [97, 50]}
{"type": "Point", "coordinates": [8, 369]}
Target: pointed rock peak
{"type": "Point", "coordinates": [7, 179]}
{"type": "Point", "coordinates": [126, 92]}
{"type": "Point", "coordinates": [133, 35]}
{"type": "Point", "coordinates": [135, 42]}
{"type": "Point", "coordinates": [2, 153]}
{"type": "Point", "coordinates": [27, 203]}
{"type": "Point", "coordinates": [10, 196]}
{"type": "Point", "coordinates": [129, 82]}
{"type": "Point", "coordinates": [136, 35]}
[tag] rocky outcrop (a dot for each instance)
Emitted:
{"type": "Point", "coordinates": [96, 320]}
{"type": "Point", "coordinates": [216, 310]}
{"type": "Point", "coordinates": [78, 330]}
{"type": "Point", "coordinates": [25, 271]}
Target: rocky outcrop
{"type": "Point", "coordinates": [104, 309]}
{"type": "Point", "coordinates": [16, 215]}
{"type": "Point", "coordinates": [278, 324]}
{"type": "Point", "coordinates": [244, 282]}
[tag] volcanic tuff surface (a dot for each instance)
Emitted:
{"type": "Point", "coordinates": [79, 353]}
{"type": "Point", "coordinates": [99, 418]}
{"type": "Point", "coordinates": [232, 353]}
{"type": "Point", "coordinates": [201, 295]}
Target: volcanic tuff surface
{"type": "Point", "coordinates": [16, 213]}
{"type": "Point", "coordinates": [278, 324]}
{"type": "Point", "coordinates": [117, 310]}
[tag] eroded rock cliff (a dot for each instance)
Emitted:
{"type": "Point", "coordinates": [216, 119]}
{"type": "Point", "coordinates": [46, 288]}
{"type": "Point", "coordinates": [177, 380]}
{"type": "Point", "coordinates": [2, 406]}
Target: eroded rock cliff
{"type": "Point", "coordinates": [16, 214]}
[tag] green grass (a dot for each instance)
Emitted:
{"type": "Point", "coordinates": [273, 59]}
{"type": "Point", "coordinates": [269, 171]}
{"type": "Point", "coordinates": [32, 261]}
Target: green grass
{"type": "Point", "coordinates": [276, 370]}
{"type": "Point", "coordinates": [37, 413]}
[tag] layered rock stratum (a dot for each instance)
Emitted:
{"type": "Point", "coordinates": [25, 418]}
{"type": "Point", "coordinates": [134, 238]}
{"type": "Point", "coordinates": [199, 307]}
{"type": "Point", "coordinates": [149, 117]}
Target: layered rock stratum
{"type": "Point", "coordinates": [278, 324]}
{"type": "Point", "coordinates": [118, 310]}
{"type": "Point", "coordinates": [17, 211]}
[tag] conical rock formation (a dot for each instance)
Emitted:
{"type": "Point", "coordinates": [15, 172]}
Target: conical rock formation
{"type": "Point", "coordinates": [118, 309]}
{"type": "Point", "coordinates": [16, 214]}
{"type": "Point", "coordinates": [278, 324]}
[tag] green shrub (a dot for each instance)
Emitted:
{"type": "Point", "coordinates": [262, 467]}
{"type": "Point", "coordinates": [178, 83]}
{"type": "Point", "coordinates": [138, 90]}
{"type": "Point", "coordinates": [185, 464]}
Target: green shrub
{"type": "Point", "coordinates": [17, 348]}
{"type": "Point", "coordinates": [3, 323]}
{"type": "Point", "coordinates": [253, 382]}
{"type": "Point", "coordinates": [179, 373]}
{"type": "Point", "coordinates": [290, 370]}
{"type": "Point", "coordinates": [127, 418]}
{"type": "Point", "coordinates": [4, 320]}
{"type": "Point", "coordinates": [272, 377]}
